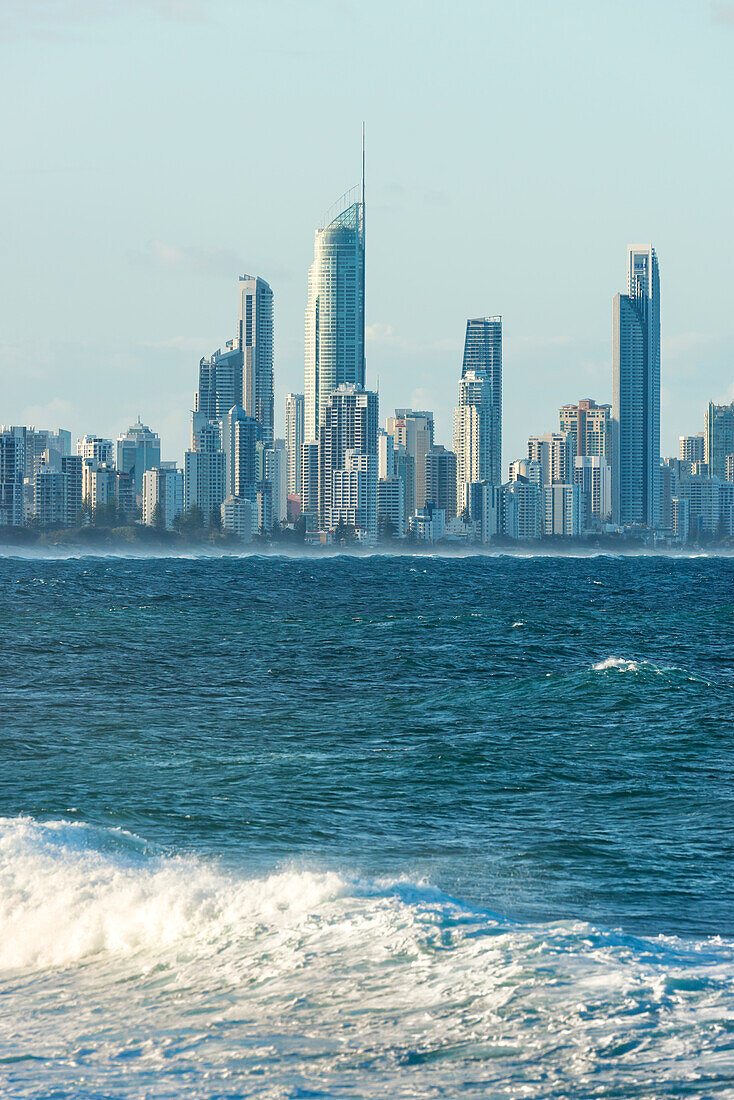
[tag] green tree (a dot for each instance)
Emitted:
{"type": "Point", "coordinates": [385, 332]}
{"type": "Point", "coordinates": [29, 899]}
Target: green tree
{"type": "Point", "coordinates": [158, 519]}
{"type": "Point", "coordinates": [344, 533]}
{"type": "Point", "coordinates": [190, 522]}
{"type": "Point", "coordinates": [299, 529]}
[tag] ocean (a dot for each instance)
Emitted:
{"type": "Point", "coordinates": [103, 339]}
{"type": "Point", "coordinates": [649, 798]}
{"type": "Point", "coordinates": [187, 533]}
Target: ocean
{"type": "Point", "coordinates": [410, 826]}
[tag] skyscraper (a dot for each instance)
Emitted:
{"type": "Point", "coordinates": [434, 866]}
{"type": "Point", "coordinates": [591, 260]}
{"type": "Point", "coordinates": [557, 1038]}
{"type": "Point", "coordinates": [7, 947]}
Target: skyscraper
{"type": "Point", "coordinates": [691, 448]}
{"type": "Point", "coordinates": [12, 470]}
{"type": "Point", "coordinates": [590, 426]}
{"type": "Point", "coordinates": [294, 439]}
{"type": "Point", "coordinates": [413, 429]}
{"type": "Point", "coordinates": [441, 480]}
{"type": "Point", "coordinates": [240, 436]}
{"type": "Point", "coordinates": [335, 309]}
{"type": "Point", "coordinates": [475, 425]}
{"type": "Point", "coordinates": [94, 449]}
{"type": "Point", "coordinates": [220, 382]}
{"type": "Point", "coordinates": [163, 494]}
{"type": "Point", "coordinates": [242, 374]}
{"type": "Point", "coordinates": [483, 352]}
{"type": "Point", "coordinates": [555, 452]}
{"type": "Point", "coordinates": [138, 450]}
{"type": "Point", "coordinates": [204, 472]}
{"type": "Point", "coordinates": [719, 438]}
{"type": "Point", "coordinates": [349, 422]}
{"type": "Point", "coordinates": [636, 399]}
{"type": "Point", "coordinates": [256, 347]}
{"type": "Point", "coordinates": [593, 475]}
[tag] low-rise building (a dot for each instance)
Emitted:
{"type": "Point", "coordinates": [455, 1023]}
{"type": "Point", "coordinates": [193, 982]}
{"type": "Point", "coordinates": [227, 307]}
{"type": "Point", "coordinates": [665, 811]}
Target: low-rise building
{"type": "Point", "coordinates": [428, 524]}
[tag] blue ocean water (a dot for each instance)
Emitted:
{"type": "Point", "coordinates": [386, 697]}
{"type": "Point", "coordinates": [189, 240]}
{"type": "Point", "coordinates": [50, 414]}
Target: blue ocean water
{"type": "Point", "coordinates": [367, 827]}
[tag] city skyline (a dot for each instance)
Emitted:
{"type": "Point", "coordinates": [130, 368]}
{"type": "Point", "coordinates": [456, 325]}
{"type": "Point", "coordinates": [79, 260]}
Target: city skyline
{"type": "Point", "coordinates": [528, 227]}
{"type": "Point", "coordinates": [601, 473]}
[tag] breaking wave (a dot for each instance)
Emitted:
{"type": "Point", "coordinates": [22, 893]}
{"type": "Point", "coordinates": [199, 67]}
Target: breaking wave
{"type": "Point", "coordinates": [124, 955]}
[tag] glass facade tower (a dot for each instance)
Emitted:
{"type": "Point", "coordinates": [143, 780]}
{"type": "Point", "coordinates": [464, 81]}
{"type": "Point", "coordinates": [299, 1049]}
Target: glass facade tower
{"type": "Point", "coordinates": [636, 392]}
{"type": "Point", "coordinates": [483, 353]}
{"type": "Point", "coordinates": [335, 353]}
{"type": "Point", "coordinates": [256, 347]}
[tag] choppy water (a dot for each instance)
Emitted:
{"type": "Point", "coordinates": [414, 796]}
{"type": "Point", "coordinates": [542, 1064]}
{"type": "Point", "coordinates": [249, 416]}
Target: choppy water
{"type": "Point", "coordinates": [381, 827]}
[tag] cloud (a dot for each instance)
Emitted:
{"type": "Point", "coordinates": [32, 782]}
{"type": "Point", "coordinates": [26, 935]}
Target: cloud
{"type": "Point", "coordinates": [200, 260]}
{"type": "Point", "coordinates": [379, 333]}
{"type": "Point", "coordinates": [55, 413]}
{"type": "Point", "coordinates": [205, 260]}
{"type": "Point", "coordinates": [722, 12]}
{"type": "Point", "coordinates": [686, 344]}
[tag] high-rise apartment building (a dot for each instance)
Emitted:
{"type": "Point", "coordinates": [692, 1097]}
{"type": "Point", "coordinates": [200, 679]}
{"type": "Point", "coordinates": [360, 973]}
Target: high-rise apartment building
{"type": "Point", "coordinates": [49, 497]}
{"type": "Point", "coordinates": [349, 423]}
{"type": "Point", "coordinates": [554, 451]}
{"type": "Point", "coordinates": [256, 347]}
{"type": "Point", "coordinates": [275, 472]}
{"type": "Point", "coordinates": [163, 494]}
{"type": "Point", "coordinates": [563, 511]}
{"type": "Point", "coordinates": [636, 385]}
{"type": "Point", "coordinates": [12, 472]}
{"type": "Point", "coordinates": [483, 352]}
{"type": "Point", "coordinates": [593, 475]}
{"type": "Point", "coordinates": [691, 447]}
{"type": "Point", "coordinates": [525, 469]}
{"type": "Point", "coordinates": [391, 505]}
{"type": "Point", "coordinates": [483, 508]}
{"type": "Point", "coordinates": [240, 435]}
{"type": "Point", "coordinates": [294, 440]}
{"type": "Point", "coordinates": [101, 487]}
{"type": "Point", "coordinates": [241, 374]}
{"type": "Point", "coordinates": [138, 450]}
{"type": "Point", "coordinates": [441, 480]}
{"type": "Point", "coordinates": [385, 455]}
{"type": "Point", "coordinates": [475, 427]}
{"type": "Point", "coordinates": [590, 427]}
{"type": "Point", "coordinates": [413, 430]}
{"type": "Point", "coordinates": [72, 466]}
{"type": "Point", "coordinates": [522, 510]}
{"type": "Point", "coordinates": [310, 483]}
{"type": "Point", "coordinates": [354, 495]}
{"type": "Point", "coordinates": [95, 449]}
{"type": "Point", "coordinates": [220, 382]}
{"type": "Point", "coordinates": [718, 438]}
{"type": "Point", "coordinates": [335, 351]}
{"type": "Point", "coordinates": [204, 472]}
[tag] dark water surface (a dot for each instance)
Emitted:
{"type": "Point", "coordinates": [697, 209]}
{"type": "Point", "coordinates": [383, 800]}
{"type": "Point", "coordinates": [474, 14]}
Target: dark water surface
{"type": "Point", "coordinates": [408, 826]}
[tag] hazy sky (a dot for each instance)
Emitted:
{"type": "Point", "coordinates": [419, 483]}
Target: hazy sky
{"type": "Point", "coordinates": [152, 150]}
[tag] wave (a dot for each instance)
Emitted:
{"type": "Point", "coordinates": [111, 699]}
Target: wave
{"type": "Point", "coordinates": [671, 674]}
{"type": "Point", "coordinates": [332, 976]}
{"type": "Point", "coordinates": [620, 663]}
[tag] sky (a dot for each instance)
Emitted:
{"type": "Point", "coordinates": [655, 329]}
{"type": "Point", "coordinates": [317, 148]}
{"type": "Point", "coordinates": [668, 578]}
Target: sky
{"type": "Point", "coordinates": [154, 150]}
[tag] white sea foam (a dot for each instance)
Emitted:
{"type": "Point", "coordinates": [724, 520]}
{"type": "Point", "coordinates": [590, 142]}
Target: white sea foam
{"type": "Point", "coordinates": [616, 662]}
{"type": "Point", "coordinates": [141, 974]}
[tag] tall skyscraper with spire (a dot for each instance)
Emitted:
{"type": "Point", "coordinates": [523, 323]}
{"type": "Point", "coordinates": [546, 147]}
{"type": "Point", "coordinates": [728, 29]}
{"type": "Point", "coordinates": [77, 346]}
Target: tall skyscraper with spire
{"type": "Point", "coordinates": [483, 353]}
{"type": "Point", "coordinates": [335, 345]}
{"type": "Point", "coordinates": [636, 392]}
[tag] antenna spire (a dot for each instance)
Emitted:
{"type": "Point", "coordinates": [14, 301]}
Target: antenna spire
{"type": "Point", "coordinates": [363, 163]}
